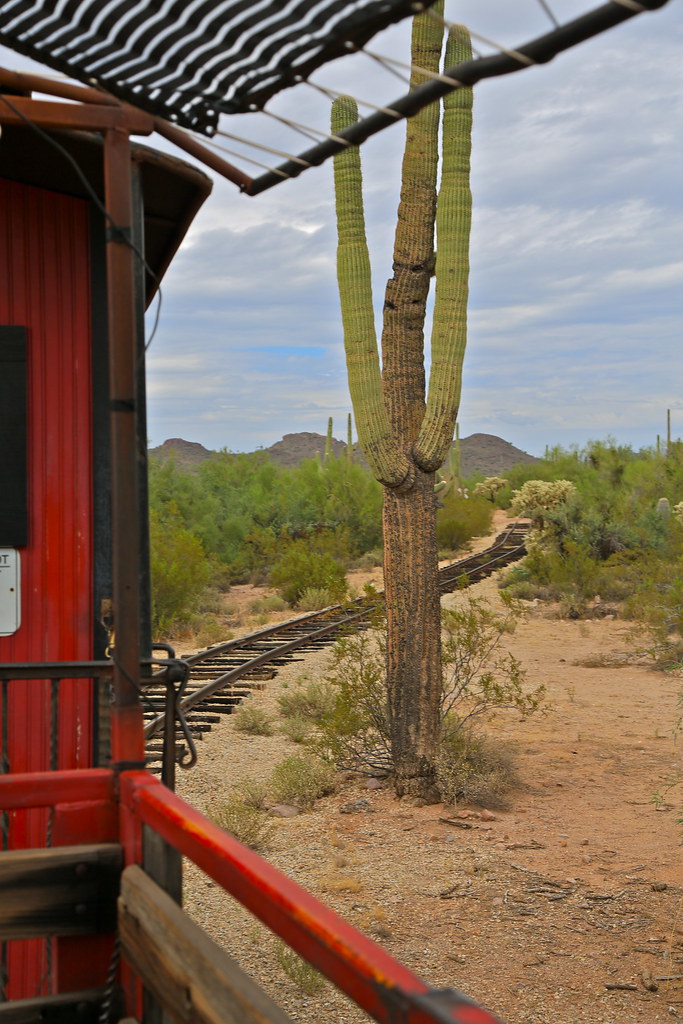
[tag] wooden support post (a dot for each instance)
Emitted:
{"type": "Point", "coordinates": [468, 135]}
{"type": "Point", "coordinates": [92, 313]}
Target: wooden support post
{"type": "Point", "coordinates": [194, 980]}
{"type": "Point", "coordinates": [126, 737]}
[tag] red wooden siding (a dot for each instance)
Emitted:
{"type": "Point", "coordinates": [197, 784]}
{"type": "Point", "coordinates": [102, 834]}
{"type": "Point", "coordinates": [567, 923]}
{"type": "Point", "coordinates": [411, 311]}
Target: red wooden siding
{"type": "Point", "coordinates": [45, 287]}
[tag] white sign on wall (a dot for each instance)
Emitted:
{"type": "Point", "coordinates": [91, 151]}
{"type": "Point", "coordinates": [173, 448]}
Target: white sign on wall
{"type": "Point", "coordinates": [10, 591]}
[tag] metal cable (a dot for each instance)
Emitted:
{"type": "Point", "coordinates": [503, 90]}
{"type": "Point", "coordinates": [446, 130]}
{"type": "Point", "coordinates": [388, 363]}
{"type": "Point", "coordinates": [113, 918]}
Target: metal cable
{"type": "Point", "coordinates": [546, 8]}
{"type": "Point", "coordinates": [333, 95]}
{"type": "Point", "coordinates": [263, 147]}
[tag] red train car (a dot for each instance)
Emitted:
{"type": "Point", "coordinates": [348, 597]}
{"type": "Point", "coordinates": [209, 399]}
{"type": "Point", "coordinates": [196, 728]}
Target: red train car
{"type": "Point", "coordinates": [90, 929]}
{"type": "Point", "coordinates": [55, 455]}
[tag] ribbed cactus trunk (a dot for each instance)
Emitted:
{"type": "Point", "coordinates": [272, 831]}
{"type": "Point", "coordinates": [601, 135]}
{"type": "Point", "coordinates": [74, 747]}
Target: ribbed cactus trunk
{"type": "Point", "coordinates": [405, 435]}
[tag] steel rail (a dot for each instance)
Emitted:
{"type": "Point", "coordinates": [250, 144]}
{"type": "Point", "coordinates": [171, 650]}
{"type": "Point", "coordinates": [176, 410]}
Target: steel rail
{"type": "Point", "coordinates": [334, 618]}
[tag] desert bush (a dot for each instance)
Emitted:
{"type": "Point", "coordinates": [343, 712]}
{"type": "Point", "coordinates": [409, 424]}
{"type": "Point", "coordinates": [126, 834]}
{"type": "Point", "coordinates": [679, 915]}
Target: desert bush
{"type": "Point", "coordinates": [180, 575]}
{"type": "Point", "coordinates": [478, 677]}
{"type": "Point", "coordinates": [472, 767]}
{"type": "Point", "coordinates": [297, 729]}
{"type": "Point", "coordinates": [252, 792]}
{"type": "Point", "coordinates": [460, 519]}
{"type": "Point", "coordinates": [304, 976]}
{"type": "Point", "coordinates": [314, 598]}
{"type": "Point", "coordinates": [253, 720]}
{"type": "Point", "coordinates": [270, 603]}
{"type": "Point", "coordinates": [302, 779]}
{"type": "Point", "coordinates": [299, 568]}
{"type": "Point", "coordinates": [308, 699]}
{"type": "Point", "coordinates": [370, 560]}
{"type": "Point", "coordinates": [247, 824]}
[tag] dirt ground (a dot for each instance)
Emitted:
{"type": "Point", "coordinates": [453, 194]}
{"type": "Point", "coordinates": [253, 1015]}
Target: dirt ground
{"type": "Point", "coordinates": [566, 907]}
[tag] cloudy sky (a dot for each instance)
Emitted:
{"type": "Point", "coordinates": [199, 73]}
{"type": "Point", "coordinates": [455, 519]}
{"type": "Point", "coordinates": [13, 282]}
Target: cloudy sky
{"type": "Point", "coordinates": [576, 297]}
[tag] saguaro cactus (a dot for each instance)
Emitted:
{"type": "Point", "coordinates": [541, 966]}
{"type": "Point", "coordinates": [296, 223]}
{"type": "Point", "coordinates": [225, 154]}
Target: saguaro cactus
{"type": "Point", "coordinates": [405, 434]}
{"type": "Point", "coordinates": [328, 441]}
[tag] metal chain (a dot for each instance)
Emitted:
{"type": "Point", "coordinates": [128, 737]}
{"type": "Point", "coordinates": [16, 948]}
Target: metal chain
{"type": "Point", "coordinates": [110, 984]}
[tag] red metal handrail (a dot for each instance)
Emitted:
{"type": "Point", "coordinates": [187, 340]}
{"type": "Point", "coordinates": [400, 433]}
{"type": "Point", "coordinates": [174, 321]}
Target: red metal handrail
{"type": "Point", "coordinates": [384, 988]}
{"type": "Point", "coordinates": [357, 965]}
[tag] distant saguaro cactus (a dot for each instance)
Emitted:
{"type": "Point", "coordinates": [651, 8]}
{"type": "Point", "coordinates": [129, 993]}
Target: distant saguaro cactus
{"type": "Point", "coordinates": [664, 509]}
{"type": "Point", "coordinates": [405, 434]}
{"type": "Point", "coordinates": [328, 441]}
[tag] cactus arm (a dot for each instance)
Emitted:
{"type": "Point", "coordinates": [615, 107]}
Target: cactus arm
{"type": "Point", "coordinates": [453, 219]}
{"type": "Point", "coordinates": [391, 466]}
{"type": "Point", "coordinates": [349, 440]}
{"type": "Point", "coordinates": [406, 293]}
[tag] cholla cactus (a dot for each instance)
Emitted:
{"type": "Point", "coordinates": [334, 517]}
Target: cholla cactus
{"type": "Point", "coordinates": [489, 487]}
{"type": "Point", "coordinates": [536, 497]}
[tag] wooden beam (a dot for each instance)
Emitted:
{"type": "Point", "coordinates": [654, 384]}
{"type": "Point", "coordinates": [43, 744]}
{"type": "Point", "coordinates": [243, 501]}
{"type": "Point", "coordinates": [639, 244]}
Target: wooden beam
{"type": "Point", "coordinates": [188, 974]}
{"type": "Point", "coordinates": [85, 117]}
{"type": "Point", "coordinates": [67, 1008]}
{"type": "Point", "coordinates": [69, 890]}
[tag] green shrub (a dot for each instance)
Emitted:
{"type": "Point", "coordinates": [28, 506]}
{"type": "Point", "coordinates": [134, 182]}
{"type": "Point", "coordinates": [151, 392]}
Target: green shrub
{"type": "Point", "coordinates": [304, 976]}
{"type": "Point", "coordinates": [460, 519]}
{"type": "Point", "coordinates": [252, 792]}
{"type": "Point", "coordinates": [297, 729]}
{"type": "Point", "coordinates": [478, 677]}
{"type": "Point", "coordinates": [247, 824]}
{"type": "Point", "coordinates": [299, 568]}
{"type": "Point", "coordinates": [311, 700]}
{"type": "Point", "coordinates": [314, 598]}
{"type": "Point", "coordinates": [253, 720]}
{"type": "Point", "coordinates": [180, 574]}
{"type": "Point", "coordinates": [472, 767]}
{"type": "Point", "coordinates": [301, 779]}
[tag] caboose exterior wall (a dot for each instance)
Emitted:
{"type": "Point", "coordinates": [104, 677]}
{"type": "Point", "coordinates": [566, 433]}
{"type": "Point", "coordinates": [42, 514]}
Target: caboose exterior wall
{"type": "Point", "coordinates": [45, 258]}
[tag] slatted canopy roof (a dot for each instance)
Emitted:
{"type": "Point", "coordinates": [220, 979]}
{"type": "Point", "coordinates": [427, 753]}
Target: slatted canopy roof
{"type": "Point", "coordinates": [191, 60]}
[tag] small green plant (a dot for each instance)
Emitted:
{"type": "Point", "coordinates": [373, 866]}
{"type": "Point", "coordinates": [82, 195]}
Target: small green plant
{"type": "Point", "coordinates": [247, 824]}
{"type": "Point", "coordinates": [252, 792]}
{"type": "Point", "coordinates": [479, 676]}
{"type": "Point", "coordinates": [297, 729]}
{"type": "Point", "coordinates": [301, 779]}
{"type": "Point", "coordinates": [299, 568]}
{"type": "Point", "coordinates": [471, 767]}
{"type": "Point", "coordinates": [304, 976]}
{"type": "Point", "coordinates": [253, 720]}
{"type": "Point", "coordinates": [180, 574]}
{"type": "Point", "coordinates": [314, 598]}
{"type": "Point", "coordinates": [311, 700]}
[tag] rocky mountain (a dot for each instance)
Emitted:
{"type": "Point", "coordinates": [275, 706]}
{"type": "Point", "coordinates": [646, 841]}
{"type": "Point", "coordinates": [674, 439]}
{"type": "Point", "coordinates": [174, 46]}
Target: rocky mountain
{"type": "Point", "coordinates": [294, 448]}
{"type": "Point", "coordinates": [479, 453]}
{"type": "Point", "coordinates": [490, 455]}
{"type": "Point", "coordinates": [185, 454]}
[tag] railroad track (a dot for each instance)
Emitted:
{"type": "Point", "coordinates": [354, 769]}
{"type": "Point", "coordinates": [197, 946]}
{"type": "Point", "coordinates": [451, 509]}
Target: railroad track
{"type": "Point", "coordinates": [218, 679]}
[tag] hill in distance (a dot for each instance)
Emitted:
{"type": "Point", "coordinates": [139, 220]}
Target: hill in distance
{"type": "Point", "coordinates": [479, 453]}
